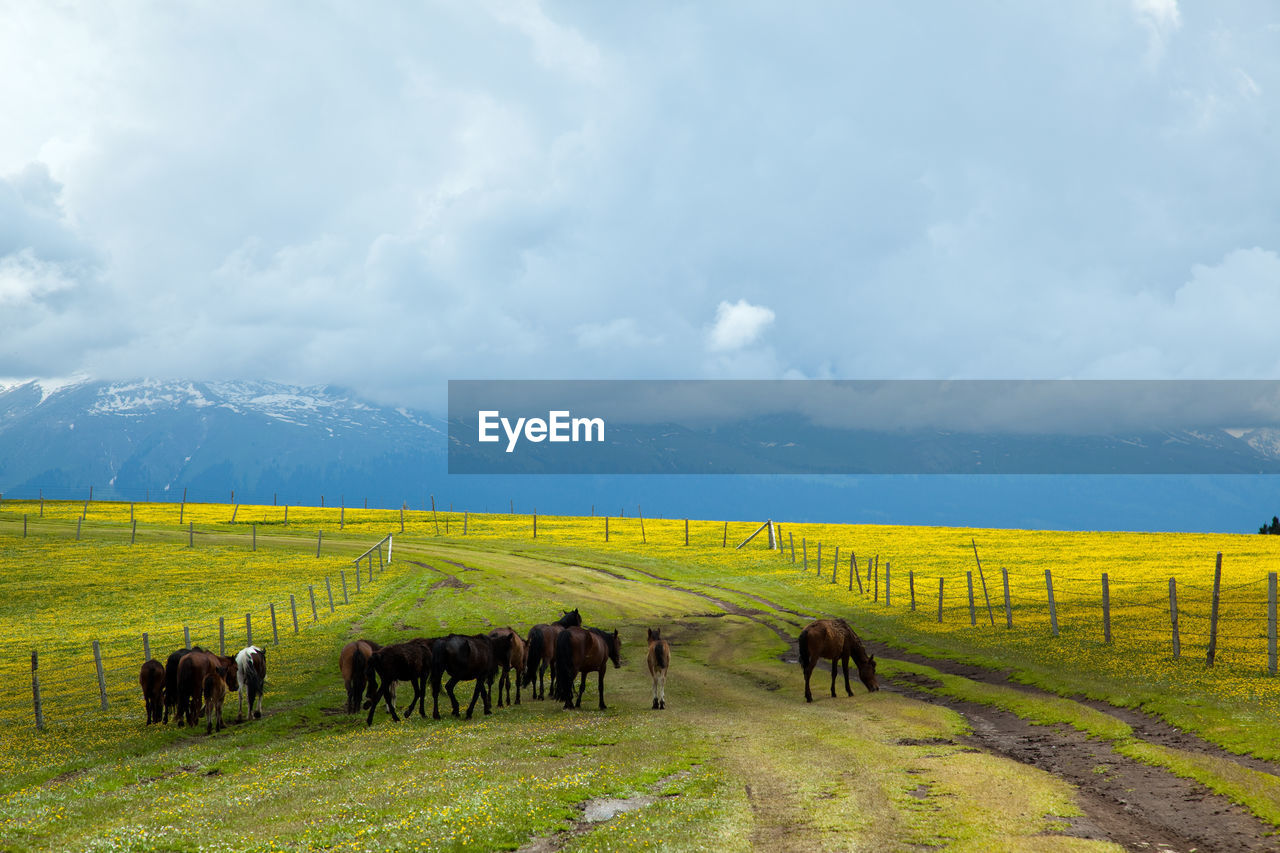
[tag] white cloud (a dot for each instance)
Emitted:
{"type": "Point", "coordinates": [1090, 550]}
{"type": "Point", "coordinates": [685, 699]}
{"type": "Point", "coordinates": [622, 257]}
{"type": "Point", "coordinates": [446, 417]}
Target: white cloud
{"type": "Point", "coordinates": [737, 325]}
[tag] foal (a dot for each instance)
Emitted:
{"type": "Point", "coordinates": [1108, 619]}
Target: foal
{"type": "Point", "coordinates": [659, 660]}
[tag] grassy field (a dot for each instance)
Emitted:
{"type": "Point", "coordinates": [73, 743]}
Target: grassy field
{"type": "Point", "coordinates": [738, 761]}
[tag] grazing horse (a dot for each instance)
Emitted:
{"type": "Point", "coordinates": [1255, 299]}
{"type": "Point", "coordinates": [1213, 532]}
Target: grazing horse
{"type": "Point", "coordinates": [659, 659]}
{"type": "Point", "coordinates": [834, 639]}
{"type": "Point", "coordinates": [408, 661]}
{"type": "Point", "coordinates": [353, 662]}
{"type": "Point", "coordinates": [152, 680]}
{"type": "Point", "coordinates": [513, 661]}
{"type": "Point", "coordinates": [583, 650]}
{"type": "Point", "coordinates": [171, 679]}
{"type": "Point", "coordinates": [196, 691]}
{"type": "Point", "coordinates": [251, 670]}
{"type": "Point", "coordinates": [466, 658]}
{"type": "Point", "coordinates": [540, 654]}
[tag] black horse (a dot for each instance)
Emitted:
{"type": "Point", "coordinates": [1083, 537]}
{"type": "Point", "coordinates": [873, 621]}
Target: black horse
{"type": "Point", "coordinates": [540, 652]}
{"type": "Point", "coordinates": [409, 661]}
{"type": "Point", "coordinates": [476, 658]}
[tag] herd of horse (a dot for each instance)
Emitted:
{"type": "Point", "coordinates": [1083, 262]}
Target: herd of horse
{"type": "Point", "coordinates": [194, 682]}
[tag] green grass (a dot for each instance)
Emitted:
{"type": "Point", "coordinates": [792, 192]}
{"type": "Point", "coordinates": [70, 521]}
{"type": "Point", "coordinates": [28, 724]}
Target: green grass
{"type": "Point", "coordinates": [738, 761]}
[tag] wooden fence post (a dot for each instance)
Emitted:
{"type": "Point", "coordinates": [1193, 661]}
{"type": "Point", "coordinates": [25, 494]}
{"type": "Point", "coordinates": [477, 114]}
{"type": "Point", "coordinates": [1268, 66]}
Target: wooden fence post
{"type": "Point", "coordinates": [875, 594]}
{"type": "Point", "coordinates": [911, 584]}
{"type": "Point", "coordinates": [315, 614]}
{"type": "Point", "coordinates": [853, 571]}
{"type": "Point", "coordinates": [35, 689]}
{"type": "Point", "coordinates": [191, 534]}
{"type": "Point", "coordinates": [886, 582]}
{"type": "Point", "coordinates": [819, 563]}
{"type": "Point", "coordinates": [535, 525]}
{"type": "Point", "coordinates": [983, 578]}
{"type": "Point", "coordinates": [319, 539]}
{"type": "Point", "coordinates": [346, 600]}
{"type": "Point", "coordinates": [186, 636]}
{"type": "Point", "coordinates": [1106, 610]}
{"type": "Point", "coordinates": [1053, 608]}
{"type": "Point", "coordinates": [606, 528]}
{"type": "Point", "coordinates": [724, 542]}
{"type": "Point", "coordinates": [293, 608]}
{"type": "Point", "coordinates": [940, 599]}
{"type": "Point", "coordinates": [328, 587]}
{"type": "Point", "coordinates": [464, 523]}
{"type": "Point", "coordinates": [1213, 614]}
{"type": "Point", "coordinates": [686, 533]}
{"type": "Point", "coordinates": [342, 515]}
{"type": "Point", "coordinates": [222, 636]}
{"type": "Point", "coordinates": [24, 525]}
{"type": "Point", "coordinates": [358, 574]}
{"type": "Point", "coordinates": [1271, 623]}
{"type": "Point", "coordinates": [248, 629]}
{"type": "Point", "coordinates": [804, 550]}
{"type": "Point", "coordinates": [402, 520]}
{"type": "Point", "coordinates": [640, 513]}
{"type": "Point", "coordinates": [436, 519]}
{"type": "Point", "coordinates": [973, 614]}
{"type": "Point", "coordinates": [286, 513]}
{"type": "Point", "coordinates": [1008, 607]}
{"type": "Point", "coordinates": [102, 678]}
{"type": "Point", "coordinates": [1173, 617]}
{"type": "Point", "coordinates": [234, 511]}
{"type": "Point", "coordinates": [275, 633]}
{"type": "Point", "coordinates": [133, 533]}
{"type": "Point", "coordinates": [146, 646]}
{"type": "Point", "coordinates": [182, 511]}
{"type": "Point", "coordinates": [792, 539]}
{"type": "Point", "coordinates": [835, 564]}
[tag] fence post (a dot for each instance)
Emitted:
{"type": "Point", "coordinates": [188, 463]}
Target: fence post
{"type": "Point", "coordinates": [911, 584]}
{"type": "Point", "coordinates": [640, 513]}
{"type": "Point", "coordinates": [790, 537]}
{"type": "Point", "coordinates": [286, 513]}
{"type": "Point", "coordinates": [853, 571]}
{"type": "Point", "coordinates": [358, 574]}
{"type": "Point", "coordinates": [886, 583]}
{"type": "Point", "coordinates": [819, 560]}
{"type": "Point", "coordinates": [182, 511]}
{"type": "Point", "coordinates": [437, 520]}
{"type": "Point", "coordinates": [940, 599]}
{"type": "Point", "coordinates": [319, 538]}
{"type": "Point", "coordinates": [102, 678]}
{"type": "Point", "coordinates": [606, 528]}
{"type": "Point", "coordinates": [686, 533]}
{"type": "Point", "coordinates": [724, 541]}
{"type": "Point", "coordinates": [78, 520]}
{"type": "Point", "coordinates": [275, 634]}
{"type": "Point", "coordinates": [328, 587]}
{"type": "Point", "coordinates": [804, 550]}
{"type": "Point", "coordinates": [835, 564]}
{"type": "Point", "coordinates": [1173, 617]}
{"type": "Point", "coordinates": [146, 646]}
{"type": "Point", "coordinates": [293, 608]}
{"type": "Point", "coordinates": [255, 536]}
{"type": "Point", "coordinates": [191, 534]}
{"type": "Point", "coordinates": [876, 591]}
{"type": "Point", "coordinates": [186, 636]}
{"type": "Point", "coordinates": [315, 614]}
{"type": "Point", "coordinates": [1008, 607]}
{"type": "Point", "coordinates": [35, 690]}
{"type": "Point", "coordinates": [1053, 608]}
{"type": "Point", "coordinates": [346, 600]}
{"type": "Point", "coordinates": [1213, 615]}
{"type": "Point", "coordinates": [535, 525]}
{"type": "Point", "coordinates": [973, 614]}
{"type": "Point", "coordinates": [248, 629]}
{"type": "Point", "coordinates": [1271, 623]}
{"type": "Point", "coordinates": [342, 516]}
{"type": "Point", "coordinates": [24, 525]}
{"type": "Point", "coordinates": [222, 636]}
{"type": "Point", "coordinates": [234, 511]}
{"type": "Point", "coordinates": [464, 522]}
{"type": "Point", "coordinates": [1106, 610]}
{"type": "Point", "coordinates": [133, 533]}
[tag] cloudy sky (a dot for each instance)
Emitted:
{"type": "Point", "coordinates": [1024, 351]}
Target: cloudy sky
{"type": "Point", "coordinates": [385, 196]}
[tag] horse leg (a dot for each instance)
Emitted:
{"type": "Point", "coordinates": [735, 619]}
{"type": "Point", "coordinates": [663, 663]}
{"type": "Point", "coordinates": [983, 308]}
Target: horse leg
{"type": "Point", "coordinates": [662, 689]}
{"type": "Point", "coordinates": [502, 679]}
{"type": "Point", "coordinates": [582, 686]}
{"type": "Point", "coordinates": [519, 678]}
{"type": "Point", "coordinates": [654, 676]}
{"type": "Point", "coordinates": [240, 705]}
{"type": "Point", "coordinates": [847, 689]}
{"type": "Point", "coordinates": [475, 694]}
{"type": "Point", "coordinates": [600, 688]}
{"type": "Point", "coordinates": [835, 669]}
{"type": "Point", "coordinates": [373, 708]}
{"type": "Point", "coordinates": [435, 697]}
{"type": "Point", "coordinates": [808, 671]}
{"type": "Point", "coordinates": [453, 699]}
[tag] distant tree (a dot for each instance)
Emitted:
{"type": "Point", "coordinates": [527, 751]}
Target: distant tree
{"type": "Point", "coordinates": [1272, 528]}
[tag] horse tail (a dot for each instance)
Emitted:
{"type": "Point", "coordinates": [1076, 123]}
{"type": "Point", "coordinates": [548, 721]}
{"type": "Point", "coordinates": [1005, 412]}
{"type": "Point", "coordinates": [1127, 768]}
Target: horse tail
{"type": "Point", "coordinates": [254, 679]}
{"type": "Point", "coordinates": [533, 656]}
{"type": "Point", "coordinates": [564, 667]}
{"type": "Point", "coordinates": [804, 649]}
{"type": "Point", "coordinates": [660, 655]}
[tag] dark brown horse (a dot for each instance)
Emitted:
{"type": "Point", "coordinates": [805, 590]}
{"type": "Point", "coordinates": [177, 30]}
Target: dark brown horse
{"type": "Point", "coordinates": [466, 658]}
{"type": "Point", "coordinates": [410, 661]}
{"type": "Point", "coordinates": [513, 661]}
{"type": "Point", "coordinates": [540, 651]}
{"type": "Point", "coordinates": [203, 679]}
{"type": "Point", "coordinates": [353, 662]}
{"type": "Point", "coordinates": [171, 679]}
{"type": "Point", "coordinates": [151, 678]}
{"type": "Point", "coordinates": [834, 639]}
{"type": "Point", "coordinates": [583, 650]}
{"type": "Point", "coordinates": [659, 659]}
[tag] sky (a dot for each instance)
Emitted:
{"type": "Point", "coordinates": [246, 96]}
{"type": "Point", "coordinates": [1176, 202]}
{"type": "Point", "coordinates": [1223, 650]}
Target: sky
{"type": "Point", "coordinates": [386, 196]}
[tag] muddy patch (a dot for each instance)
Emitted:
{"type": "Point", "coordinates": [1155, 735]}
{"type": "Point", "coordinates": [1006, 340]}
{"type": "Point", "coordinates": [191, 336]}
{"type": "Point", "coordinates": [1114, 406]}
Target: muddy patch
{"type": "Point", "coordinates": [449, 582]}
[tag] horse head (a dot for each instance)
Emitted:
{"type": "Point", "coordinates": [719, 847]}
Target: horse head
{"type": "Point", "coordinates": [867, 672]}
{"type": "Point", "coordinates": [571, 618]}
{"type": "Point", "coordinates": [615, 649]}
{"type": "Point", "coordinates": [655, 634]}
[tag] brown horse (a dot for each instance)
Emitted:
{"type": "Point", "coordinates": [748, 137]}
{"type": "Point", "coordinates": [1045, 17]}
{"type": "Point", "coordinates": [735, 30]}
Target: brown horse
{"type": "Point", "coordinates": [514, 661]}
{"type": "Point", "coordinates": [583, 650]}
{"type": "Point", "coordinates": [834, 639]}
{"type": "Point", "coordinates": [353, 662]}
{"type": "Point", "coordinates": [408, 661]}
{"type": "Point", "coordinates": [659, 659]}
{"type": "Point", "coordinates": [540, 652]}
{"type": "Point", "coordinates": [151, 678]}
{"type": "Point", "coordinates": [203, 680]}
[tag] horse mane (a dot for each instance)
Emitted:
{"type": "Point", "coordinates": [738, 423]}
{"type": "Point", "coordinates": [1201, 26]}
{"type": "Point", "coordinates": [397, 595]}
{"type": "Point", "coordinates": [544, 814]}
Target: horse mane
{"type": "Point", "coordinates": [855, 644]}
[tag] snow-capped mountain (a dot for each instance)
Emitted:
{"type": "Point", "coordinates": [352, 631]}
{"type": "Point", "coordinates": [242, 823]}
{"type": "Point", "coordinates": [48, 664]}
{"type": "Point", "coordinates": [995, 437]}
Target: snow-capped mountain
{"type": "Point", "coordinates": [264, 440]}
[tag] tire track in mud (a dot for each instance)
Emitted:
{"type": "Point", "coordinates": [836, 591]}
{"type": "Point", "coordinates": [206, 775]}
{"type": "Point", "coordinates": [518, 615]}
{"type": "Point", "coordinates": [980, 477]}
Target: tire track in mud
{"type": "Point", "coordinates": [1136, 805]}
